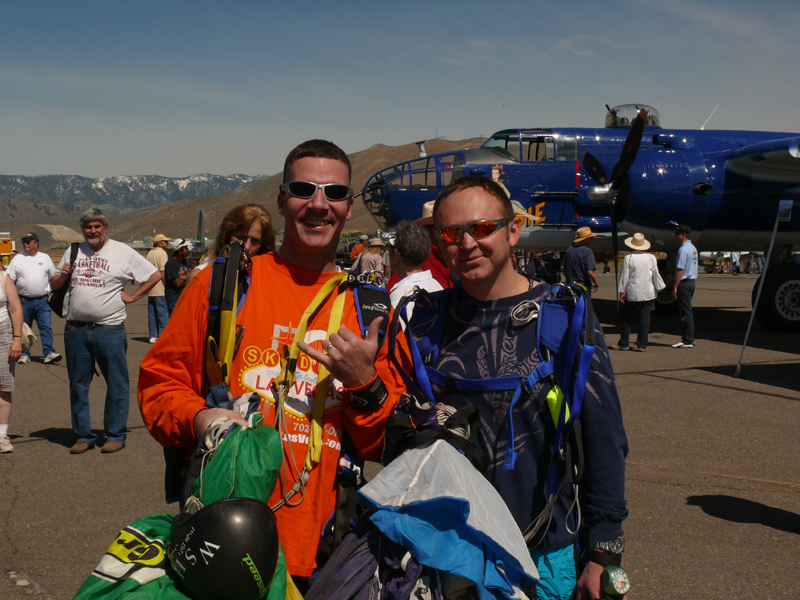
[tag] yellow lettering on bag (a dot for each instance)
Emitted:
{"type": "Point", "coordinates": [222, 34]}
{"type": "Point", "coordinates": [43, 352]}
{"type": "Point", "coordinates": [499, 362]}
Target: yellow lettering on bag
{"type": "Point", "coordinates": [130, 548]}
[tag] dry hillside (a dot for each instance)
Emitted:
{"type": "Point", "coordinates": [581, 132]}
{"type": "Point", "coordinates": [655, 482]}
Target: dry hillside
{"type": "Point", "coordinates": [57, 223]}
{"type": "Point", "coordinates": [180, 219]}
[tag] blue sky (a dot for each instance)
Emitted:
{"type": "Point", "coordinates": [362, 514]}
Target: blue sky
{"type": "Point", "coordinates": [178, 88]}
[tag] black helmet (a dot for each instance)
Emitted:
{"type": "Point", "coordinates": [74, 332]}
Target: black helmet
{"type": "Point", "coordinates": [225, 551]}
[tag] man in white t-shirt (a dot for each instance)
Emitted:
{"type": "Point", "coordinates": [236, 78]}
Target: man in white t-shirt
{"type": "Point", "coordinates": [31, 271]}
{"type": "Point", "coordinates": [157, 316]}
{"type": "Point", "coordinates": [95, 328]}
{"type": "Point", "coordinates": [412, 247]}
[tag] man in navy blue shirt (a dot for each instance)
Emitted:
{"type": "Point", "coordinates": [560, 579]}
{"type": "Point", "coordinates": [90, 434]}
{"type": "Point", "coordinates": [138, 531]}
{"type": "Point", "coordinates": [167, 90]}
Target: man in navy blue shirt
{"type": "Point", "coordinates": [476, 230]}
{"type": "Point", "coordinates": [579, 265]}
{"type": "Point", "coordinates": [683, 284]}
{"type": "Point", "coordinates": [176, 272]}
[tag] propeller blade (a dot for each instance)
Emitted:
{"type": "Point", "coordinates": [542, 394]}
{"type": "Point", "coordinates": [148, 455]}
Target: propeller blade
{"type": "Point", "coordinates": [594, 169]}
{"type": "Point", "coordinates": [629, 150]}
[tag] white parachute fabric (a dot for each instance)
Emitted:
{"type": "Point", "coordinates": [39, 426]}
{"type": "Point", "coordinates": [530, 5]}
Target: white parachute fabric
{"type": "Point", "coordinates": [432, 501]}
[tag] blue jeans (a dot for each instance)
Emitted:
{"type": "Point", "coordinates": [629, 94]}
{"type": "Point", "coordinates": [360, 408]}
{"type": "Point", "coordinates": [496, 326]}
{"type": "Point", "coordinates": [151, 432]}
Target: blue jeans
{"type": "Point", "coordinates": [37, 309]}
{"type": "Point", "coordinates": [628, 315]}
{"type": "Point", "coordinates": [760, 262]}
{"type": "Point", "coordinates": [685, 293]}
{"type": "Point", "coordinates": [156, 315]}
{"type": "Point", "coordinates": [105, 345]}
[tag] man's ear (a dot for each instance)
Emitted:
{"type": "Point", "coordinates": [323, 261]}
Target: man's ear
{"type": "Point", "coordinates": [513, 231]}
{"type": "Point", "coordinates": [281, 202]}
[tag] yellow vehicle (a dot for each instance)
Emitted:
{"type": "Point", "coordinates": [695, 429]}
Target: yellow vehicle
{"type": "Point", "coordinates": [7, 246]}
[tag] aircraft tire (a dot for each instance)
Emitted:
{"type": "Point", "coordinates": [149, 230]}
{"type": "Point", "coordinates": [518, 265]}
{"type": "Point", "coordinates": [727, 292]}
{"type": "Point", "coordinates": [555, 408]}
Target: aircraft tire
{"type": "Point", "coordinates": [665, 303]}
{"type": "Point", "coordinates": [779, 306]}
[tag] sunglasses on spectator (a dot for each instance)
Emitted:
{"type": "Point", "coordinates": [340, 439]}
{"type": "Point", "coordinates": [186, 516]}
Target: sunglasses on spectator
{"type": "Point", "coordinates": [479, 230]}
{"type": "Point", "coordinates": [335, 192]}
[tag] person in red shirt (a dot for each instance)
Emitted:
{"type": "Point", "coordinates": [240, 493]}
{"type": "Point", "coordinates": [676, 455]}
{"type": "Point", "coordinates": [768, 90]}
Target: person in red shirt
{"type": "Point", "coordinates": [362, 387]}
{"type": "Point", "coordinates": [435, 263]}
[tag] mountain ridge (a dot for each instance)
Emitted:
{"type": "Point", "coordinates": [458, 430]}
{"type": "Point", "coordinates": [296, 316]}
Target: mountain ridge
{"type": "Point", "coordinates": [123, 192]}
{"type": "Point", "coordinates": [179, 219]}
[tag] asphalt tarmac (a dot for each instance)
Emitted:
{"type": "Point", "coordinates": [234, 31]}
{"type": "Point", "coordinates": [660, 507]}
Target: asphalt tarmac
{"type": "Point", "coordinates": [713, 484]}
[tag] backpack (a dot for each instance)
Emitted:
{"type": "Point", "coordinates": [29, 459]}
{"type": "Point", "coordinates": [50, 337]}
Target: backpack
{"type": "Point", "coordinates": [564, 335]}
{"type": "Point", "coordinates": [55, 298]}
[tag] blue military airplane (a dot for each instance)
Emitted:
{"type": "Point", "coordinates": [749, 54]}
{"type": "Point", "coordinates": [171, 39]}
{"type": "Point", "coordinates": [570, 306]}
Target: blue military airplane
{"type": "Point", "coordinates": [726, 185]}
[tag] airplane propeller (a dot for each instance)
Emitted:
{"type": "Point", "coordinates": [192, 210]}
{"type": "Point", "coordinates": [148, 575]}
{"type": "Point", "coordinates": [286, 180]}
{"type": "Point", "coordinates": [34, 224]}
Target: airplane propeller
{"type": "Point", "coordinates": [609, 195]}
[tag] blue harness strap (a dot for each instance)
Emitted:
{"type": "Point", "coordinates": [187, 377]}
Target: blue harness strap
{"type": "Point", "coordinates": [419, 385]}
{"type": "Point", "coordinates": [561, 317]}
{"type": "Point", "coordinates": [543, 371]}
{"type": "Point", "coordinates": [579, 314]}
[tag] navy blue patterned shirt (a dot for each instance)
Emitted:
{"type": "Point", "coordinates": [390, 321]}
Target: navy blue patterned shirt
{"type": "Point", "coordinates": [479, 341]}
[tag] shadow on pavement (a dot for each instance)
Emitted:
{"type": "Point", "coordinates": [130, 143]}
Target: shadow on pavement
{"type": "Point", "coordinates": [57, 435]}
{"type": "Point", "coordinates": [715, 323]}
{"type": "Point", "coordinates": [738, 510]}
{"type": "Point", "coordinates": [776, 375]}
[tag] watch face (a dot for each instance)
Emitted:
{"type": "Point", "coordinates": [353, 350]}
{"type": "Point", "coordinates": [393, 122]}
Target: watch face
{"type": "Point", "coordinates": [616, 581]}
{"type": "Point", "coordinates": [616, 546]}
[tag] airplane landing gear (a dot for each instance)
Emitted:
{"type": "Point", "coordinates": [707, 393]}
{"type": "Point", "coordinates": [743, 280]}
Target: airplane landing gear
{"type": "Point", "coordinates": [779, 305]}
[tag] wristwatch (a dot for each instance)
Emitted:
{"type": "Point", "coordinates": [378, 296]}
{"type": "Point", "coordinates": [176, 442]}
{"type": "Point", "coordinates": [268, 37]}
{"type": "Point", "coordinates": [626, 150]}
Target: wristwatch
{"type": "Point", "coordinates": [371, 397]}
{"type": "Point", "coordinates": [615, 546]}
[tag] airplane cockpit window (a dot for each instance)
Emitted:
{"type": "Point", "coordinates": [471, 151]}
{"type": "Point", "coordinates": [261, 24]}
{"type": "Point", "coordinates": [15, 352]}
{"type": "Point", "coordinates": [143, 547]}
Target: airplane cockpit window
{"type": "Point", "coordinates": [539, 148]}
{"type": "Point", "coordinates": [418, 174]}
{"type": "Point", "coordinates": [624, 114]}
{"type": "Point", "coordinates": [453, 167]}
{"type": "Point", "coordinates": [566, 148]}
{"type": "Point", "coordinates": [505, 144]}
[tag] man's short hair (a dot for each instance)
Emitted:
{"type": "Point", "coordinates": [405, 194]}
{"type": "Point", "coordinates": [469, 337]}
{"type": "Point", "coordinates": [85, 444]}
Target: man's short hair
{"type": "Point", "coordinates": [470, 181]}
{"type": "Point", "coordinates": [316, 149]}
{"type": "Point", "coordinates": [93, 214]}
{"type": "Point", "coordinates": [413, 243]}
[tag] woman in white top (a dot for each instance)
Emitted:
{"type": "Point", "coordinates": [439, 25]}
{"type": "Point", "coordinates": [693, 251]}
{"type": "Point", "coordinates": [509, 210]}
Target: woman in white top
{"type": "Point", "coordinates": [637, 292]}
{"type": "Point", "coordinates": [10, 351]}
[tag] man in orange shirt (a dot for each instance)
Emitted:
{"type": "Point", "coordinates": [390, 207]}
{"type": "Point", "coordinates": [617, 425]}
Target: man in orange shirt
{"type": "Point", "coordinates": [358, 247]}
{"type": "Point", "coordinates": [316, 201]}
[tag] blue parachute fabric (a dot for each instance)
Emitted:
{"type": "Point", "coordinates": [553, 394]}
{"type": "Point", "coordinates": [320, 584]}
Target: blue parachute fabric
{"type": "Point", "coordinates": [432, 501]}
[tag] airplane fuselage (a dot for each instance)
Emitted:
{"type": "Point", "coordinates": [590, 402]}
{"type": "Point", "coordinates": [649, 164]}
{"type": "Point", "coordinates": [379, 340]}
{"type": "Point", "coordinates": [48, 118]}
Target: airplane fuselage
{"type": "Point", "coordinates": [687, 176]}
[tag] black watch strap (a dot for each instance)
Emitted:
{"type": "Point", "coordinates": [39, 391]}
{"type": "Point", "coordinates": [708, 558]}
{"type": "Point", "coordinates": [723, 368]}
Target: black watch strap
{"type": "Point", "coordinates": [605, 558]}
{"type": "Point", "coordinates": [371, 397]}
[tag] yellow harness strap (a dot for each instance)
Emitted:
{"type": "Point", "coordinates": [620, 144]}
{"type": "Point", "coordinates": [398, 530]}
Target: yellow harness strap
{"type": "Point", "coordinates": [286, 378]}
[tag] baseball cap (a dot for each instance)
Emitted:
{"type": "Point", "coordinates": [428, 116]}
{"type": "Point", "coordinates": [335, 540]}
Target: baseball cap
{"type": "Point", "coordinates": [364, 238]}
{"type": "Point", "coordinates": [161, 238]}
{"type": "Point", "coordinates": [30, 237]}
{"type": "Point", "coordinates": [179, 243]}
{"type": "Point", "coordinates": [683, 229]}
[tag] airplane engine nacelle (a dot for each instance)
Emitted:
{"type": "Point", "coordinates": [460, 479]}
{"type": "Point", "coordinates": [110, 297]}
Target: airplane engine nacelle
{"type": "Point", "coordinates": [667, 184]}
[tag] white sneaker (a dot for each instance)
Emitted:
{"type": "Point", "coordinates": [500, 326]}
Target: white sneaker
{"type": "Point", "coordinates": [5, 445]}
{"type": "Point", "coordinates": [682, 345]}
{"type": "Point", "coordinates": [153, 340]}
{"type": "Point", "coordinates": [23, 360]}
{"type": "Point", "coordinates": [53, 357]}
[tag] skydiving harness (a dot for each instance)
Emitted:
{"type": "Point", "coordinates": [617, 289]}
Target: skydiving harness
{"type": "Point", "coordinates": [565, 311]}
{"type": "Point", "coordinates": [227, 294]}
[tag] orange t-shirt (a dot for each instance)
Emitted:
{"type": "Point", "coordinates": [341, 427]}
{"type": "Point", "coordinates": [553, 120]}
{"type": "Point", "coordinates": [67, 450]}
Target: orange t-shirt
{"type": "Point", "coordinates": [357, 250]}
{"type": "Point", "coordinates": [171, 376]}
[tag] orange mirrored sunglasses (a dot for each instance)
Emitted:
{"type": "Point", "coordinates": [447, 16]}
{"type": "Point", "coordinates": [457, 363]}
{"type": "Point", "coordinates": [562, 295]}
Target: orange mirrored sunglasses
{"type": "Point", "coordinates": [478, 230]}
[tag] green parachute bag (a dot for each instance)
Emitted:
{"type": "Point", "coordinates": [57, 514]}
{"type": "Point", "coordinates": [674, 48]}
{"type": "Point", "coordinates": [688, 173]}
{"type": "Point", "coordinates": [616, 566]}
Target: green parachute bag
{"type": "Point", "coordinates": [136, 567]}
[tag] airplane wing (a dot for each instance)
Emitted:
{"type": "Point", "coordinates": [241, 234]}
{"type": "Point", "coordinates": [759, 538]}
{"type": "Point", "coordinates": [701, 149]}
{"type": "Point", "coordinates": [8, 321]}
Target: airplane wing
{"type": "Point", "coordinates": [774, 160]}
